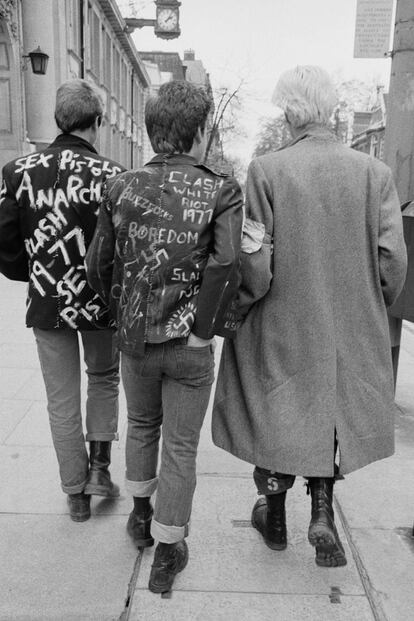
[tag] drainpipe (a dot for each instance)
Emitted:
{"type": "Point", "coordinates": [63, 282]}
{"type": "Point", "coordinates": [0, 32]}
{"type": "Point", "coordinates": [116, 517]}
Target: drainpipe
{"type": "Point", "coordinates": [82, 13]}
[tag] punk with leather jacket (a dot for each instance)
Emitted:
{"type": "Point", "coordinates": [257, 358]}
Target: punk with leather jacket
{"type": "Point", "coordinates": [165, 255]}
{"type": "Point", "coordinates": [49, 202]}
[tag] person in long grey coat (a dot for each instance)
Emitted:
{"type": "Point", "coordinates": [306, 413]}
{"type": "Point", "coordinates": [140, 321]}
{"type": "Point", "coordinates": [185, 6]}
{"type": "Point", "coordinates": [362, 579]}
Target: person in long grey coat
{"type": "Point", "coordinates": [309, 374]}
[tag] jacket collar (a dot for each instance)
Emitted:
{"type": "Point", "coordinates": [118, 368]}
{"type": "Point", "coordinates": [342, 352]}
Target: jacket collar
{"type": "Point", "coordinates": [70, 140]}
{"type": "Point", "coordinates": [173, 159]}
{"type": "Point", "coordinates": [313, 130]}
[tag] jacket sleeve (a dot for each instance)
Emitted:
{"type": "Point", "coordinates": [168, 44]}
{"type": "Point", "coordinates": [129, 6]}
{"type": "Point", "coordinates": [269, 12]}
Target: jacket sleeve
{"type": "Point", "coordinates": [14, 263]}
{"type": "Point", "coordinates": [99, 258]}
{"type": "Point", "coordinates": [219, 284]}
{"type": "Point", "coordinates": [391, 245]}
{"type": "Point", "coordinates": [257, 248]}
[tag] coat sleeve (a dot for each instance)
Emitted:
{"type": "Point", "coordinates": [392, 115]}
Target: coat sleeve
{"type": "Point", "coordinates": [14, 263]}
{"type": "Point", "coordinates": [100, 255]}
{"type": "Point", "coordinates": [218, 277]}
{"type": "Point", "coordinates": [391, 245]}
{"type": "Point", "coordinates": [257, 248]}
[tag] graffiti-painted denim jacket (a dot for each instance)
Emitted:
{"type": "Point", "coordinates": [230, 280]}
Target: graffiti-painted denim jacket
{"type": "Point", "coordinates": [165, 255]}
{"type": "Point", "coordinates": [49, 202]}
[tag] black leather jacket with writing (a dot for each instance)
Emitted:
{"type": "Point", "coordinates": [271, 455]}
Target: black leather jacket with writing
{"type": "Point", "coordinates": [49, 202]}
{"type": "Point", "coordinates": [165, 254]}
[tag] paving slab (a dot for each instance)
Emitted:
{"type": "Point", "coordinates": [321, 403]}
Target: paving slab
{"type": "Point", "coordinates": [13, 330]}
{"type": "Point", "coordinates": [212, 460]}
{"type": "Point", "coordinates": [59, 570]}
{"type": "Point", "coordinates": [11, 413]}
{"type": "Point", "coordinates": [33, 388]}
{"type": "Point", "coordinates": [232, 574]}
{"type": "Point", "coordinates": [378, 505]}
{"type": "Point", "coordinates": [379, 495]}
{"type": "Point", "coordinates": [30, 483]}
{"type": "Point", "coordinates": [18, 355]}
{"type": "Point", "coordinates": [388, 557]}
{"type": "Point", "coordinates": [227, 554]}
{"type": "Point", "coordinates": [33, 429]}
{"type": "Point", "coordinates": [17, 383]}
{"type": "Point", "coordinates": [405, 376]}
{"type": "Point", "coordinates": [205, 606]}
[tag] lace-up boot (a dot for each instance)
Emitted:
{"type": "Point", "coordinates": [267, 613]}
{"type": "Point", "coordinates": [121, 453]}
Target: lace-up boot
{"type": "Point", "coordinates": [322, 532]}
{"type": "Point", "coordinates": [269, 518]}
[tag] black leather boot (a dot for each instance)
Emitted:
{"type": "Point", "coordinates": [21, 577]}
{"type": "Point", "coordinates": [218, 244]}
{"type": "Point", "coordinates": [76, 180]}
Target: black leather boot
{"type": "Point", "coordinates": [322, 532]}
{"type": "Point", "coordinates": [169, 560]}
{"type": "Point", "coordinates": [139, 527]}
{"type": "Point", "coordinates": [99, 481]}
{"type": "Point", "coordinates": [79, 507]}
{"type": "Point", "coordinates": [269, 518]}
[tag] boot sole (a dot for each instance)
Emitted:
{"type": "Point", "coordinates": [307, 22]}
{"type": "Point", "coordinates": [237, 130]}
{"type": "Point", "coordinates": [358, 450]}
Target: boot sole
{"type": "Point", "coordinates": [142, 543]}
{"type": "Point", "coordinates": [100, 490]}
{"type": "Point", "coordinates": [329, 550]}
{"type": "Point", "coordinates": [82, 517]}
{"type": "Point", "coordinates": [162, 589]}
{"type": "Point", "coordinates": [275, 546]}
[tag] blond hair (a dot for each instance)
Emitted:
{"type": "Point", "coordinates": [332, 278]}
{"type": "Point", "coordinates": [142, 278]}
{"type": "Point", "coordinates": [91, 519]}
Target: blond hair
{"type": "Point", "coordinates": [306, 94]}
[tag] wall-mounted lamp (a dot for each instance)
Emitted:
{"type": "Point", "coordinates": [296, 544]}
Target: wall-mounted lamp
{"type": "Point", "coordinates": [38, 60]}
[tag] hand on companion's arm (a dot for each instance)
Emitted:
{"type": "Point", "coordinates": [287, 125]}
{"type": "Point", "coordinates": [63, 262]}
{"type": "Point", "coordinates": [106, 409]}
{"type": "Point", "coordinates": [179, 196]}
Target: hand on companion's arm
{"type": "Point", "coordinates": [217, 283]}
{"type": "Point", "coordinates": [256, 248]}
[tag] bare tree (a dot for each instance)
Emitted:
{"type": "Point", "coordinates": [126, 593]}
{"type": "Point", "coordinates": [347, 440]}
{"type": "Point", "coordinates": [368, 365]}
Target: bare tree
{"type": "Point", "coordinates": [274, 133]}
{"type": "Point", "coordinates": [227, 102]}
{"type": "Point", "coordinates": [353, 96]}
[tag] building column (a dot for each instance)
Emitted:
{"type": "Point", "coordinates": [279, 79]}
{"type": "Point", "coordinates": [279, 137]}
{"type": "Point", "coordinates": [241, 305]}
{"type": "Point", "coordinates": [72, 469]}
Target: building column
{"type": "Point", "coordinates": [12, 117]}
{"type": "Point", "coordinates": [43, 24]}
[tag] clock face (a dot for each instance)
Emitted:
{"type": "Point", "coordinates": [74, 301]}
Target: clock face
{"type": "Point", "coordinates": [167, 19]}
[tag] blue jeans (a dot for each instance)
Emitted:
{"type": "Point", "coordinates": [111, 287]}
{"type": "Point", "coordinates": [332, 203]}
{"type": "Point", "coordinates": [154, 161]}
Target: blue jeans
{"type": "Point", "coordinates": [168, 386]}
{"type": "Point", "coordinates": [60, 363]}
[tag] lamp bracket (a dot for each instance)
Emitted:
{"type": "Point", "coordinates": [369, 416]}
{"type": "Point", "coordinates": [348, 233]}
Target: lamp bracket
{"type": "Point", "coordinates": [133, 22]}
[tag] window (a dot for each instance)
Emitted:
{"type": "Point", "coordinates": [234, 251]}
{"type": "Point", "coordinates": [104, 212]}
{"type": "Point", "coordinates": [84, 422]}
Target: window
{"type": "Point", "coordinates": [381, 148]}
{"type": "Point", "coordinates": [115, 72]}
{"type": "Point", "coordinates": [107, 59]}
{"type": "Point", "coordinates": [73, 12]}
{"type": "Point", "coordinates": [124, 96]}
{"type": "Point", "coordinates": [94, 42]}
{"type": "Point", "coordinates": [374, 146]}
{"type": "Point", "coordinates": [5, 108]}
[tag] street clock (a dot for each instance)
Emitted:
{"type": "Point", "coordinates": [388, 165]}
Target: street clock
{"type": "Point", "coordinates": [167, 24]}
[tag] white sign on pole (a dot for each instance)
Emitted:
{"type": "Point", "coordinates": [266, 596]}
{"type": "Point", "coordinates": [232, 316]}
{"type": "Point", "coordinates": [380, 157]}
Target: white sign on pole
{"type": "Point", "coordinates": [373, 28]}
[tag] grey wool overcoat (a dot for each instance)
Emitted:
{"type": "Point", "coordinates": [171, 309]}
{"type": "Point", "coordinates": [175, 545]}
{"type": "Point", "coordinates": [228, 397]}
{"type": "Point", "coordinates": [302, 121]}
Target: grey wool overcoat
{"type": "Point", "coordinates": [323, 256]}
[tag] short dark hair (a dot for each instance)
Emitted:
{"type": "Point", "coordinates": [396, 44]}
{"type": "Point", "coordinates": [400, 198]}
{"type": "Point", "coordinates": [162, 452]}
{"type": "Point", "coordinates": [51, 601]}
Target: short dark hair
{"type": "Point", "coordinates": [173, 116]}
{"type": "Point", "coordinates": [78, 104]}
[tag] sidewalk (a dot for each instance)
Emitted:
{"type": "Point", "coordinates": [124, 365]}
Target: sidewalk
{"type": "Point", "coordinates": [53, 569]}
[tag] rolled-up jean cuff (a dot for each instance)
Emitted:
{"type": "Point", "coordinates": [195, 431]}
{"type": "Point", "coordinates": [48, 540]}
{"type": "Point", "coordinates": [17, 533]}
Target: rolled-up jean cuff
{"type": "Point", "coordinates": [101, 437]}
{"type": "Point", "coordinates": [168, 534]}
{"type": "Point", "coordinates": [73, 489]}
{"type": "Point", "coordinates": [141, 489]}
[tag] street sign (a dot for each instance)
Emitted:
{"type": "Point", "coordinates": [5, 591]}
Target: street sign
{"type": "Point", "coordinates": [373, 28]}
